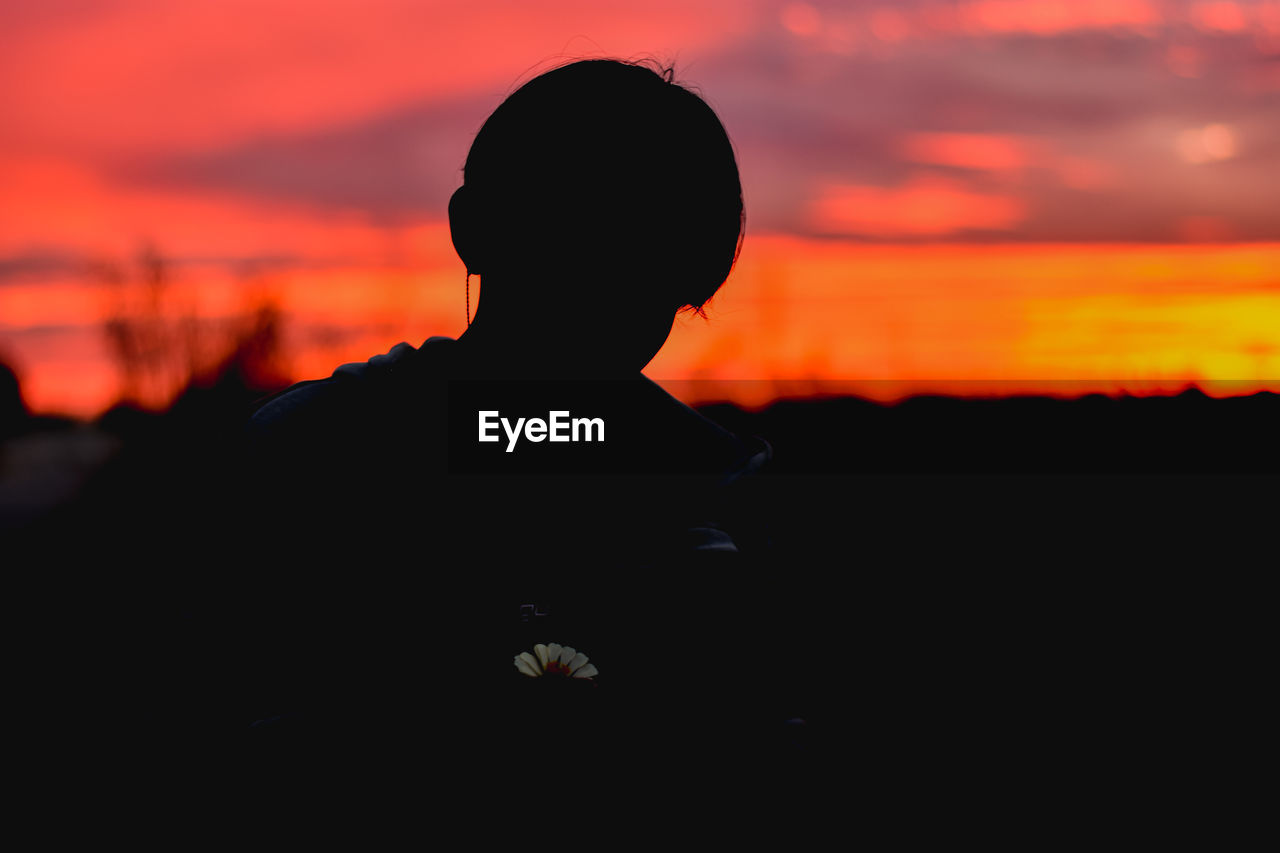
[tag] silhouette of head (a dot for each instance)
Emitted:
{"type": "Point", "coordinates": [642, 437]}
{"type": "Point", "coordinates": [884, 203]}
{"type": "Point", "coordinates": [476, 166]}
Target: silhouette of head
{"type": "Point", "coordinates": [598, 200]}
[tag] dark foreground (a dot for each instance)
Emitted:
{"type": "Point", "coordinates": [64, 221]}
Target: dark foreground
{"type": "Point", "coordinates": [943, 614]}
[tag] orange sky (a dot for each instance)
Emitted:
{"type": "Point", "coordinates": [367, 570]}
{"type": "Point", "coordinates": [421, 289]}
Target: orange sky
{"type": "Point", "coordinates": [982, 196]}
{"type": "Point", "coordinates": [804, 315]}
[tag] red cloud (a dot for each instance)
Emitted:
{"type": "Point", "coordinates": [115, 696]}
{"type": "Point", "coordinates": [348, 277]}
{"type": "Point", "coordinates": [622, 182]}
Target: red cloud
{"type": "Point", "coordinates": [1049, 17]}
{"type": "Point", "coordinates": [986, 151]}
{"type": "Point", "coordinates": [923, 206]}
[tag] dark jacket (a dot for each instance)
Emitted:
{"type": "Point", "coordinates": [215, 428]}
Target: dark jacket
{"type": "Point", "coordinates": [390, 536]}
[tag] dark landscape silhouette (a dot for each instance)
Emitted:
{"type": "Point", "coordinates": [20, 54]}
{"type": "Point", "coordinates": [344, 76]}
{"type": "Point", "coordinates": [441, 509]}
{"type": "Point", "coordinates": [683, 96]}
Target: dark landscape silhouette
{"type": "Point", "coordinates": [993, 590]}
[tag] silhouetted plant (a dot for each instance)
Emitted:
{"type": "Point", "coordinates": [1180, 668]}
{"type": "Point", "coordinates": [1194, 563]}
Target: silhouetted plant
{"type": "Point", "coordinates": [162, 346]}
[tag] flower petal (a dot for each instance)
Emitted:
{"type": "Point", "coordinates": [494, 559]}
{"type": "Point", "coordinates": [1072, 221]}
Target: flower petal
{"type": "Point", "coordinates": [579, 660]}
{"type": "Point", "coordinates": [543, 656]}
{"type": "Point", "coordinates": [566, 654]}
{"type": "Point", "coordinates": [530, 663]}
{"type": "Point", "coordinates": [587, 671]}
{"type": "Point", "coordinates": [525, 669]}
{"type": "Point", "coordinates": [553, 651]}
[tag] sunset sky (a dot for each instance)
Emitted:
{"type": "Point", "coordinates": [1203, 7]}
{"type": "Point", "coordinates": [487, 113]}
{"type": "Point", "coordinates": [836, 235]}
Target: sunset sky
{"type": "Point", "coordinates": [975, 196]}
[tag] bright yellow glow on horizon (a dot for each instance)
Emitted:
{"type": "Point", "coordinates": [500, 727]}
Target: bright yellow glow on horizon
{"type": "Point", "coordinates": [797, 317]}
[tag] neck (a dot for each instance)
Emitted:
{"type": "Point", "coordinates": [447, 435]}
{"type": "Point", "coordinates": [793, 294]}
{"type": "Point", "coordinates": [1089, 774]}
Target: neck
{"type": "Point", "coordinates": [515, 335]}
{"type": "Point", "coordinates": [510, 346]}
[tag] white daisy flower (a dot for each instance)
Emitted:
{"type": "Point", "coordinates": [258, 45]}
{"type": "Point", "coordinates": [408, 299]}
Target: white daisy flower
{"type": "Point", "coordinates": [555, 659]}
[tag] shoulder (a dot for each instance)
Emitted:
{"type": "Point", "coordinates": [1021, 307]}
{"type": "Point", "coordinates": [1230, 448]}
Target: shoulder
{"type": "Point", "coordinates": [347, 395]}
{"type": "Point", "coordinates": [296, 400]}
{"type": "Point", "coordinates": [700, 444]}
{"type": "Point", "coordinates": [301, 413]}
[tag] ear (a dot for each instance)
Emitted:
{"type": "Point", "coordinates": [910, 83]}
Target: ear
{"type": "Point", "coordinates": [466, 229]}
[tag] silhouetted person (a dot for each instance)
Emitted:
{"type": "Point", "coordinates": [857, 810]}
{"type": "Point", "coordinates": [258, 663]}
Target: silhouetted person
{"type": "Point", "coordinates": [598, 201]}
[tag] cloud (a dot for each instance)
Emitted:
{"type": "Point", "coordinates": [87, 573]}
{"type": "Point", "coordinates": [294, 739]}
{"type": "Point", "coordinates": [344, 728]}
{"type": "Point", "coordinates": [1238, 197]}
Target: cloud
{"type": "Point", "coordinates": [38, 263]}
{"type": "Point", "coordinates": [984, 151]}
{"type": "Point", "coordinates": [924, 206]}
{"type": "Point", "coordinates": [157, 75]}
{"type": "Point", "coordinates": [398, 167]}
{"type": "Point", "coordinates": [1091, 128]}
{"type": "Point", "coordinates": [1053, 17]}
{"type": "Point", "coordinates": [1076, 110]}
